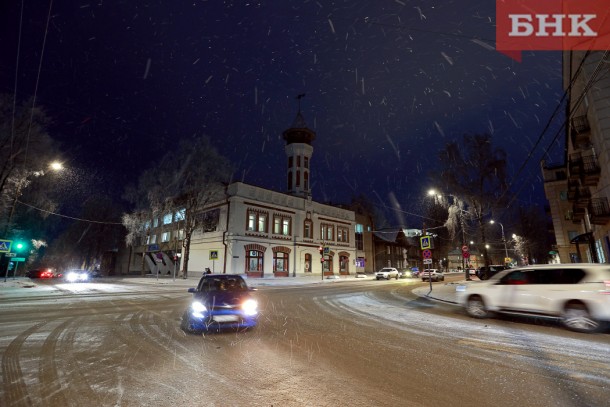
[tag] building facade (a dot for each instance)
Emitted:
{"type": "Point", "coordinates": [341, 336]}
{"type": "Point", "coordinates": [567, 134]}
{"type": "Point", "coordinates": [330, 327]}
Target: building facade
{"type": "Point", "coordinates": [261, 233]}
{"type": "Point", "coordinates": [578, 189]}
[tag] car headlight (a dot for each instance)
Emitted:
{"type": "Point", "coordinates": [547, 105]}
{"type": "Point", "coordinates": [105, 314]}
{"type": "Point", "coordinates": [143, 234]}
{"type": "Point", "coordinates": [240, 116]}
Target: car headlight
{"type": "Point", "coordinates": [72, 276]}
{"type": "Point", "coordinates": [250, 307]}
{"type": "Point", "coordinates": [84, 276]}
{"type": "Point", "coordinates": [198, 309]}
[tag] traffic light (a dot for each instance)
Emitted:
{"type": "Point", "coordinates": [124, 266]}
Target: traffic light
{"type": "Point", "coordinates": [20, 246]}
{"type": "Point", "coordinates": [321, 250]}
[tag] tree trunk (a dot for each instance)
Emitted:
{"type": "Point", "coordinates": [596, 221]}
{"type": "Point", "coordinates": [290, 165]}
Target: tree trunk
{"type": "Point", "coordinates": [186, 245]}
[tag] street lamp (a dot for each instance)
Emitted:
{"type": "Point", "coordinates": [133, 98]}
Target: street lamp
{"type": "Point", "coordinates": [503, 239]}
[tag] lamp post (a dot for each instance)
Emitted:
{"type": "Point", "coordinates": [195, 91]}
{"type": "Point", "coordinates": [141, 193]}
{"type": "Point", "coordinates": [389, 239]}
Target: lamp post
{"type": "Point", "coordinates": [503, 239]}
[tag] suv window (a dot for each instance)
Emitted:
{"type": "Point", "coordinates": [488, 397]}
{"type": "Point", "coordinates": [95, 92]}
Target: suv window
{"type": "Point", "coordinates": [516, 277]}
{"type": "Point", "coordinates": [557, 276]}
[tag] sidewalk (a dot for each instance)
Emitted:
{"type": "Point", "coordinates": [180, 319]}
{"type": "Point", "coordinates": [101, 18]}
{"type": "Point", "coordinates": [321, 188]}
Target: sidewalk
{"type": "Point", "coordinates": [446, 292]}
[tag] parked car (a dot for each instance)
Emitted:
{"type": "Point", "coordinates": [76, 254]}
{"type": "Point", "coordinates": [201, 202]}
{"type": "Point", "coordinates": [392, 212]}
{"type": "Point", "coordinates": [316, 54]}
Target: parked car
{"type": "Point", "coordinates": [387, 273]}
{"type": "Point", "coordinates": [40, 273]}
{"type": "Point", "coordinates": [577, 294]}
{"type": "Point", "coordinates": [485, 273]}
{"type": "Point", "coordinates": [220, 301]}
{"type": "Point", "coordinates": [434, 274]}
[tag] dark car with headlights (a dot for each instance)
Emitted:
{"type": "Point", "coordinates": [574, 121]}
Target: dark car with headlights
{"type": "Point", "coordinates": [220, 301]}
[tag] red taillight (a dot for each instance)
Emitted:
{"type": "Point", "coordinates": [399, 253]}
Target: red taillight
{"type": "Point", "coordinates": [607, 290]}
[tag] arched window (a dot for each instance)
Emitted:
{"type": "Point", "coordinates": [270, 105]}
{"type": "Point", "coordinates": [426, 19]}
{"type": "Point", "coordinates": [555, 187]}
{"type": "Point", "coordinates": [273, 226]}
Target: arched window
{"type": "Point", "coordinates": [308, 229]}
{"type": "Point", "coordinates": [254, 260]}
{"type": "Point", "coordinates": [305, 180]}
{"type": "Point", "coordinates": [298, 183]}
{"type": "Point", "coordinates": [289, 180]}
{"type": "Point", "coordinates": [344, 264]}
{"type": "Point", "coordinates": [307, 263]}
{"type": "Point", "coordinates": [280, 262]}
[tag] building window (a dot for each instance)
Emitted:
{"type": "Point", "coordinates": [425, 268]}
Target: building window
{"type": "Point", "coordinates": [307, 263]}
{"type": "Point", "coordinates": [289, 180]}
{"type": "Point", "coordinates": [572, 234]}
{"type": "Point", "coordinates": [289, 162]}
{"type": "Point", "coordinates": [298, 161]}
{"type": "Point", "coordinates": [147, 225]}
{"type": "Point", "coordinates": [298, 183]}
{"type": "Point", "coordinates": [180, 234]}
{"type": "Point", "coordinates": [167, 218]}
{"type": "Point", "coordinates": [343, 264]}
{"type": "Point", "coordinates": [153, 239]}
{"type": "Point", "coordinates": [257, 222]}
{"type": "Point", "coordinates": [342, 234]}
{"type": "Point", "coordinates": [280, 262]}
{"type": "Point", "coordinates": [327, 266]}
{"type": "Point", "coordinates": [308, 229]}
{"type": "Point", "coordinates": [327, 232]}
{"type": "Point", "coordinates": [155, 222]}
{"type": "Point", "coordinates": [281, 225]}
{"type": "Point", "coordinates": [359, 241]}
{"type": "Point", "coordinates": [306, 162]}
{"type": "Point", "coordinates": [305, 180]}
{"type": "Point", "coordinates": [254, 260]}
{"type": "Point", "coordinates": [563, 195]}
{"type": "Point", "coordinates": [179, 215]}
{"type": "Point", "coordinates": [165, 237]}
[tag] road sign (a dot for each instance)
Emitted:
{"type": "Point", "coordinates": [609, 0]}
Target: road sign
{"type": "Point", "coordinates": [326, 250]}
{"type": "Point", "coordinates": [464, 248]}
{"type": "Point", "coordinates": [465, 255]}
{"type": "Point", "coordinates": [11, 254]}
{"type": "Point", "coordinates": [213, 254]}
{"type": "Point", "coordinates": [18, 259]}
{"type": "Point", "coordinates": [5, 245]}
{"type": "Point", "coordinates": [425, 242]}
{"type": "Point", "coordinates": [427, 261]}
{"type": "Point", "coordinates": [427, 254]}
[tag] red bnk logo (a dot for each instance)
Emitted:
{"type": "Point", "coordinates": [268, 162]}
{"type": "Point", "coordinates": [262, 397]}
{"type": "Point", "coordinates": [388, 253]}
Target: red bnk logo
{"type": "Point", "coordinates": [538, 25]}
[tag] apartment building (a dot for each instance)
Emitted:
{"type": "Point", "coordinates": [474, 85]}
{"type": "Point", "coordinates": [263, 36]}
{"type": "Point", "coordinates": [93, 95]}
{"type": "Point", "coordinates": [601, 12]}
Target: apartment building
{"type": "Point", "coordinates": [578, 188]}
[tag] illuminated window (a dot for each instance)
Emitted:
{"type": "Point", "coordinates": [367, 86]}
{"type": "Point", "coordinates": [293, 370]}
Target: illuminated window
{"type": "Point", "coordinates": [342, 234]}
{"type": "Point", "coordinates": [153, 239]}
{"type": "Point", "coordinates": [167, 219]}
{"type": "Point", "coordinates": [327, 232]}
{"type": "Point", "coordinates": [307, 263]}
{"type": "Point", "coordinates": [280, 262]}
{"type": "Point", "coordinates": [308, 229]}
{"type": "Point", "coordinates": [165, 237]}
{"type": "Point", "coordinates": [257, 222]}
{"type": "Point", "coordinates": [179, 215]}
{"type": "Point", "coordinates": [254, 260]}
{"type": "Point", "coordinates": [155, 222]}
{"type": "Point", "coordinates": [281, 225]}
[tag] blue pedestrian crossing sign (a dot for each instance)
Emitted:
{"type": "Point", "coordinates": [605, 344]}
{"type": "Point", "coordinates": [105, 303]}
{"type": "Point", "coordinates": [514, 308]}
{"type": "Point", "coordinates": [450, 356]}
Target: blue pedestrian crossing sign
{"type": "Point", "coordinates": [5, 245]}
{"type": "Point", "coordinates": [425, 242]}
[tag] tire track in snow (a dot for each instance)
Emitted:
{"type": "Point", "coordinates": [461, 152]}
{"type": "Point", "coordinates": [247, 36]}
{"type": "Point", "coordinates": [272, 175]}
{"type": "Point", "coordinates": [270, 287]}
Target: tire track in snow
{"type": "Point", "coordinates": [50, 384]}
{"type": "Point", "coordinates": [15, 389]}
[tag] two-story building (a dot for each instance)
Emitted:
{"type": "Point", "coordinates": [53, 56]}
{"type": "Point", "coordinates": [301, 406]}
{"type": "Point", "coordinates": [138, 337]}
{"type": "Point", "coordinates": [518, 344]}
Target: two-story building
{"type": "Point", "coordinates": [260, 232]}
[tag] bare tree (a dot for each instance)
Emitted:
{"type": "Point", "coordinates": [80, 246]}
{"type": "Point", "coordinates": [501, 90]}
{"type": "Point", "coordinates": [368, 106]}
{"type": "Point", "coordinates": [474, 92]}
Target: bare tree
{"type": "Point", "coordinates": [185, 181]}
{"type": "Point", "coordinates": [475, 172]}
{"type": "Point", "coordinates": [25, 150]}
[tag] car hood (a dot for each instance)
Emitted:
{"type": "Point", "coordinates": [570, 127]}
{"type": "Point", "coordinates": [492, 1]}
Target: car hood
{"type": "Point", "coordinates": [222, 297]}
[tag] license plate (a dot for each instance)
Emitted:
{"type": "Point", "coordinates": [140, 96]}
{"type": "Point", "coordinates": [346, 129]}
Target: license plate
{"type": "Point", "coordinates": [225, 318]}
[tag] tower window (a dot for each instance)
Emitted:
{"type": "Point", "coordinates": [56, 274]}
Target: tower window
{"type": "Point", "coordinates": [289, 180]}
{"type": "Point", "coordinates": [306, 180]}
{"type": "Point", "coordinates": [289, 162]}
{"type": "Point", "coordinates": [298, 179]}
{"type": "Point", "coordinates": [298, 161]}
{"type": "Point", "coordinates": [306, 162]}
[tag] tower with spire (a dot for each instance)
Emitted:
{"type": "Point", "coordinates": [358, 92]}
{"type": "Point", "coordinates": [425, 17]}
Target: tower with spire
{"type": "Point", "coordinates": [298, 151]}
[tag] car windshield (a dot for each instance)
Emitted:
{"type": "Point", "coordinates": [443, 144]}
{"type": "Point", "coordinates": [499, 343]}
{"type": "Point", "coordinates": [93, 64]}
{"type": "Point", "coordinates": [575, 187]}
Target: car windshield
{"type": "Point", "coordinates": [222, 283]}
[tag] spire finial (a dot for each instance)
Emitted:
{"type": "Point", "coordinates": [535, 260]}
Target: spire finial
{"type": "Point", "coordinates": [299, 97]}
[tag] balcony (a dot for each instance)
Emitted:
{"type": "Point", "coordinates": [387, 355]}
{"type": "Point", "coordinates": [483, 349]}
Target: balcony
{"type": "Point", "coordinates": [581, 131]}
{"type": "Point", "coordinates": [578, 214]}
{"type": "Point", "coordinates": [591, 170]}
{"type": "Point", "coordinates": [575, 167]}
{"type": "Point", "coordinates": [582, 198]}
{"type": "Point", "coordinates": [572, 190]}
{"type": "Point", "coordinates": [599, 211]}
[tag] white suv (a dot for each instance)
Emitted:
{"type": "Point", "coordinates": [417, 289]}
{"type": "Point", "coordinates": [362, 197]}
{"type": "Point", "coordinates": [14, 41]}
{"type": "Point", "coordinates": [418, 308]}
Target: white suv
{"type": "Point", "coordinates": [577, 294]}
{"type": "Point", "coordinates": [387, 273]}
{"type": "Point", "coordinates": [433, 274]}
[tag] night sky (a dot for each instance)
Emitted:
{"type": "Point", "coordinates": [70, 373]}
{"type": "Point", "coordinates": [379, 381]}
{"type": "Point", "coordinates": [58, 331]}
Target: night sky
{"type": "Point", "coordinates": [387, 84]}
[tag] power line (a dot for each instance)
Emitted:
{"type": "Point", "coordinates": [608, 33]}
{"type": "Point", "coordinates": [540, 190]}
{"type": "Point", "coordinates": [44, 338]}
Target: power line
{"type": "Point", "coordinates": [69, 217]}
